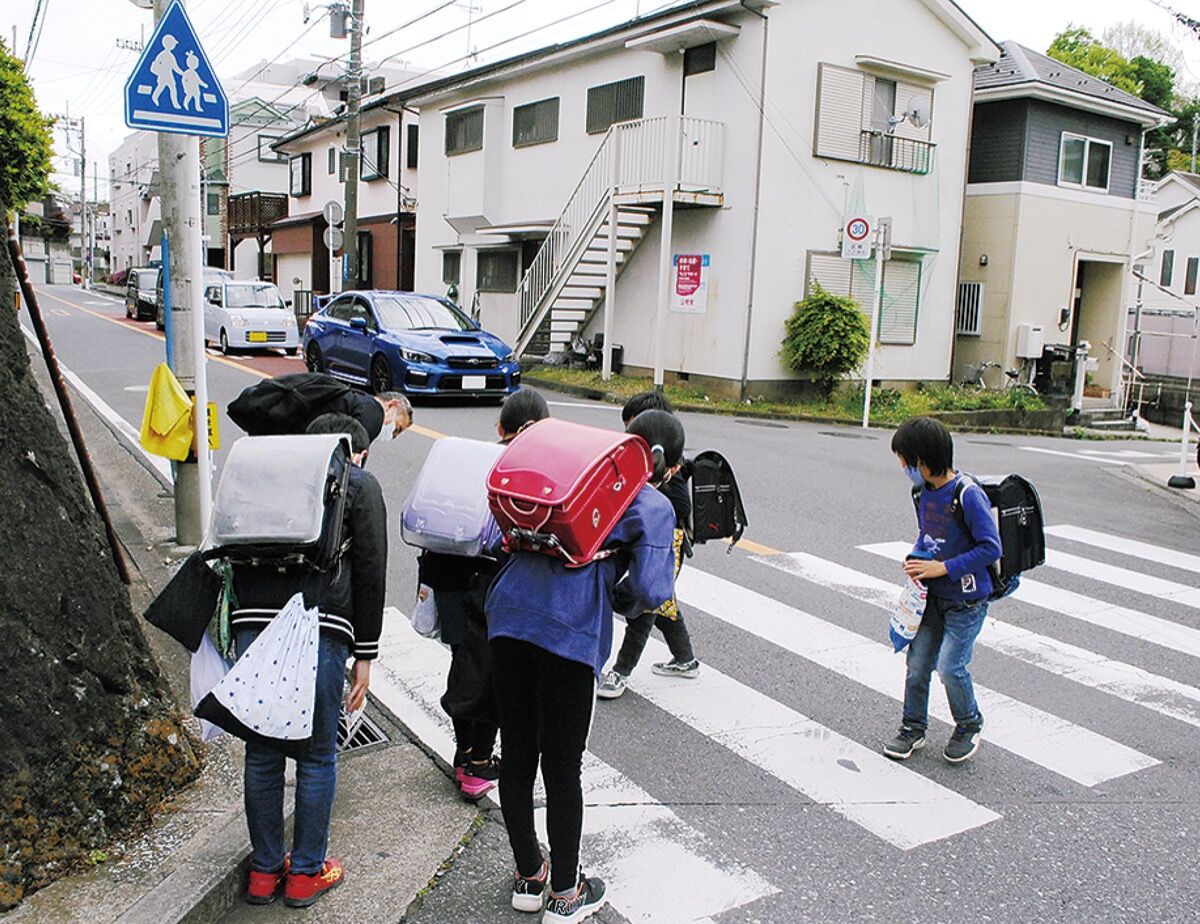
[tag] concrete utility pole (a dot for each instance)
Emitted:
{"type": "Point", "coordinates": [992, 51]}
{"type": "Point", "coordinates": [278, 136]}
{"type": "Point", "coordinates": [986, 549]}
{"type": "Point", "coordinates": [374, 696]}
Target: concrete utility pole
{"type": "Point", "coordinates": [179, 170]}
{"type": "Point", "coordinates": [353, 144]}
{"type": "Point", "coordinates": [1195, 129]}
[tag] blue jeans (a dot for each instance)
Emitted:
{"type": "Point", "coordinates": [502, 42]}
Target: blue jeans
{"type": "Point", "coordinates": [946, 640]}
{"type": "Point", "coordinates": [316, 774]}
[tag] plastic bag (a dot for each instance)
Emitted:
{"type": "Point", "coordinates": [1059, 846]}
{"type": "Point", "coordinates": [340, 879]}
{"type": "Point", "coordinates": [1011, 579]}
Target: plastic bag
{"type": "Point", "coordinates": [208, 667]}
{"type": "Point", "coordinates": [424, 616]}
{"type": "Point", "coordinates": [907, 614]}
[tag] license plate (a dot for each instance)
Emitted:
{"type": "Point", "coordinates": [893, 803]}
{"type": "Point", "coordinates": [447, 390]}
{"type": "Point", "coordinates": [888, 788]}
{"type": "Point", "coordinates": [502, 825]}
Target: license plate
{"type": "Point", "coordinates": [474, 382]}
{"type": "Point", "coordinates": [257, 336]}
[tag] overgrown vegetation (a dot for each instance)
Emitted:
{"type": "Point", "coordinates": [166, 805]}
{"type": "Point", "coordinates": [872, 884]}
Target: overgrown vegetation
{"type": "Point", "coordinates": [25, 146]}
{"type": "Point", "coordinates": [827, 337]}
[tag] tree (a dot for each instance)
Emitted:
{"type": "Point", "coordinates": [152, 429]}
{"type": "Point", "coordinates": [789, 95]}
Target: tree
{"type": "Point", "coordinates": [1077, 47]}
{"type": "Point", "coordinates": [827, 337]}
{"type": "Point", "coordinates": [1131, 40]}
{"type": "Point", "coordinates": [25, 145]}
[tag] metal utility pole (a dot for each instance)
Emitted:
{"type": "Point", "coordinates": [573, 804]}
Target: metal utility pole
{"type": "Point", "coordinates": [85, 275]}
{"type": "Point", "coordinates": [95, 215]}
{"type": "Point", "coordinates": [352, 272]}
{"type": "Point", "coordinates": [666, 266]}
{"type": "Point", "coordinates": [1195, 128]}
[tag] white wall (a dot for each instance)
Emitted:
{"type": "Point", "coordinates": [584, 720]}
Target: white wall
{"type": "Point", "coordinates": [131, 168]}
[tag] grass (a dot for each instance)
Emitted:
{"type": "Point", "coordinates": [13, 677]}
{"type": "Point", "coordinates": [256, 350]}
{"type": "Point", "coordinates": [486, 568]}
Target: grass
{"type": "Point", "coordinates": [887, 405]}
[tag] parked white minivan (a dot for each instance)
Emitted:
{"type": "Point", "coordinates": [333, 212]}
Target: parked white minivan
{"type": "Point", "coordinates": [245, 314]}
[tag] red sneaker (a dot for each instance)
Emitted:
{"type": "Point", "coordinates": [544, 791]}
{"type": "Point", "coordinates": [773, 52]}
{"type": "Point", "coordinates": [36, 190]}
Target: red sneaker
{"type": "Point", "coordinates": [302, 891]}
{"type": "Point", "coordinates": [264, 887]}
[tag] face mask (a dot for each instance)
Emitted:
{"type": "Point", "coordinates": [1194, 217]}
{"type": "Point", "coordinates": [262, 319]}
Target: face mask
{"type": "Point", "coordinates": [915, 476]}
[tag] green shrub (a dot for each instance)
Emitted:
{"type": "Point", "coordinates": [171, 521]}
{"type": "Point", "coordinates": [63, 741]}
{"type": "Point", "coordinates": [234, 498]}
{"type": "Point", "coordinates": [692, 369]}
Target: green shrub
{"type": "Point", "coordinates": [827, 337]}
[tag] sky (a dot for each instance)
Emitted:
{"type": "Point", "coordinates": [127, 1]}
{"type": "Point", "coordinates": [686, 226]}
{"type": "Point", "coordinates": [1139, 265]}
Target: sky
{"type": "Point", "coordinates": [79, 69]}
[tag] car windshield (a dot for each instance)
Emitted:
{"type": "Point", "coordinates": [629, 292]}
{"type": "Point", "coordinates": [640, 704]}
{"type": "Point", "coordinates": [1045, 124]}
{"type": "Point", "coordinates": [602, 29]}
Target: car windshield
{"type": "Point", "coordinates": [253, 295]}
{"type": "Point", "coordinates": [410, 312]}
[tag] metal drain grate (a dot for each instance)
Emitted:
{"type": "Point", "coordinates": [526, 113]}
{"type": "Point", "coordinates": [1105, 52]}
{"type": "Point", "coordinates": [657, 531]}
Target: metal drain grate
{"type": "Point", "coordinates": [761, 423]}
{"type": "Point", "coordinates": [846, 435]}
{"type": "Point", "coordinates": [365, 735]}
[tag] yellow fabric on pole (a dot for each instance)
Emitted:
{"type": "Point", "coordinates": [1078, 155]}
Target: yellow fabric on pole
{"type": "Point", "coordinates": [167, 428]}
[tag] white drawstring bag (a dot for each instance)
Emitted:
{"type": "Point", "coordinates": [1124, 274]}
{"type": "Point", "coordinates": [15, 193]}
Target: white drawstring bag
{"type": "Point", "coordinates": [269, 693]}
{"type": "Point", "coordinates": [208, 667]}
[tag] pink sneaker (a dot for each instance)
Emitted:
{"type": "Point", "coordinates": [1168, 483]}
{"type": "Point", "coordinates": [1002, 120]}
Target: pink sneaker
{"type": "Point", "coordinates": [478, 780]}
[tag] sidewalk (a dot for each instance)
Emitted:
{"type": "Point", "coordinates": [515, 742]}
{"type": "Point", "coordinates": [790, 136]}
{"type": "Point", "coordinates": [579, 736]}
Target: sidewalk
{"type": "Point", "coordinates": [396, 820]}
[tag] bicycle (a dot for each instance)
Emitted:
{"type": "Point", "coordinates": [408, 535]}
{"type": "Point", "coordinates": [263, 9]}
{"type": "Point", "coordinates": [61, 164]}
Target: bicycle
{"type": "Point", "coordinates": [1020, 378]}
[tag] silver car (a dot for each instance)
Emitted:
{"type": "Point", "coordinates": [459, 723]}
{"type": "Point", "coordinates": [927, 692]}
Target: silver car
{"type": "Point", "coordinates": [247, 314]}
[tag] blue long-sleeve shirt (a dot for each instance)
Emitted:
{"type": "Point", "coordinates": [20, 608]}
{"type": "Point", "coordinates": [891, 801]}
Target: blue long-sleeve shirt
{"type": "Point", "coordinates": [569, 611]}
{"type": "Point", "coordinates": [966, 555]}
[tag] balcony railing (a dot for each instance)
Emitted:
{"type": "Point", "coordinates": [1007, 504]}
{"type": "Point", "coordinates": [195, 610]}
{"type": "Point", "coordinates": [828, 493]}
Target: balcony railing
{"type": "Point", "coordinates": [250, 214]}
{"type": "Point", "coordinates": [880, 149]}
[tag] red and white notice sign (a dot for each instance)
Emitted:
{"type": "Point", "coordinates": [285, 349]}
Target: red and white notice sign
{"type": "Point", "coordinates": [690, 292]}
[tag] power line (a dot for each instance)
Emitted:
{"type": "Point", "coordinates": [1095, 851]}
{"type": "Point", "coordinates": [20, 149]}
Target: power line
{"type": "Point", "coordinates": [39, 22]}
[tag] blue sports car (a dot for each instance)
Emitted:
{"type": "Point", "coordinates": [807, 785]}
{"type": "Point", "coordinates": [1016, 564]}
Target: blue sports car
{"type": "Point", "coordinates": [418, 344]}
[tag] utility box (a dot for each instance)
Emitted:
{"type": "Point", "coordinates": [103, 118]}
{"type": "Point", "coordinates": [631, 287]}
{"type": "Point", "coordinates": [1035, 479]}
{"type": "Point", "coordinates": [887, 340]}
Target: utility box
{"type": "Point", "coordinates": [1031, 338]}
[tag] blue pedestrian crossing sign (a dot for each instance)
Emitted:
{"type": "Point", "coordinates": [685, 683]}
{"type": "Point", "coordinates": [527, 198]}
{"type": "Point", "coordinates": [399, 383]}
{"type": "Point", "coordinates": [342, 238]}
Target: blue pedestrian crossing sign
{"type": "Point", "coordinates": [174, 87]}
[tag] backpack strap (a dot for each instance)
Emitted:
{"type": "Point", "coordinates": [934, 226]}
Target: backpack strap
{"type": "Point", "coordinates": [956, 506]}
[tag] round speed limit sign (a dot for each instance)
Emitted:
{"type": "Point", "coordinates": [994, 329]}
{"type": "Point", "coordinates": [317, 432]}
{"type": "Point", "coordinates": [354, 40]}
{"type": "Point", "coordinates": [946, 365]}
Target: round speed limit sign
{"type": "Point", "coordinates": [857, 229]}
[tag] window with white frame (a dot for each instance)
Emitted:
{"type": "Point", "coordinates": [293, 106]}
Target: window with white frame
{"type": "Point", "coordinates": [331, 160]}
{"type": "Point", "coordinates": [968, 315]}
{"type": "Point", "coordinates": [464, 130]}
{"type": "Point", "coordinates": [300, 175]}
{"type": "Point", "coordinates": [1084, 162]}
{"type": "Point", "coordinates": [1189, 279]}
{"type": "Point", "coordinates": [901, 297]}
{"type": "Point", "coordinates": [498, 271]}
{"type": "Point", "coordinates": [451, 267]}
{"type": "Point", "coordinates": [265, 154]}
{"type": "Point", "coordinates": [376, 146]}
{"type": "Point", "coordinates": [1166, 272]}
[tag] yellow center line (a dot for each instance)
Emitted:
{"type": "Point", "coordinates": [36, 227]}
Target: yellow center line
{"type": "Point", "coordinates": [756, 548]}
{"type": "Point", "coordinates": [425, 431]}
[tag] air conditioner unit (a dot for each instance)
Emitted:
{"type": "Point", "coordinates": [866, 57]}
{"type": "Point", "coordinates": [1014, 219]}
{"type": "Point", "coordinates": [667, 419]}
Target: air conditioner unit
{"type": "Point", "coordinates": [1030, 340]}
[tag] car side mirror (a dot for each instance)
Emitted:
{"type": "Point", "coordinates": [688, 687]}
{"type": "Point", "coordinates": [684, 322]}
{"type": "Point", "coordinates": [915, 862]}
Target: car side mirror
{"type": "Point", "coordinates": [359, 323]}
{"type": "Point", "coordinates": [287, 303]}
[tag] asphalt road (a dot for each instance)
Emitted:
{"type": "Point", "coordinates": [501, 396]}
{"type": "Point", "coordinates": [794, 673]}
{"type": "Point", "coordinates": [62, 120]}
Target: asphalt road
{"type": "Point", "coordinates": [757, 793]}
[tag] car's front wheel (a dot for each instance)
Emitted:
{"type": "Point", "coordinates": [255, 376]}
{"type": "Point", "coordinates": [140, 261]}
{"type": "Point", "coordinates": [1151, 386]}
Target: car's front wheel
{"type": "Point", "coordinates": [128, 312]}
{"type": "Point", "coordinates": [313, 359]}
{"type": "Point", "coordinates": [224, 342]}
{"type": "Point", "coordinates": [291, 351]}
{"type": "Point", "coordinates": [381, 375]}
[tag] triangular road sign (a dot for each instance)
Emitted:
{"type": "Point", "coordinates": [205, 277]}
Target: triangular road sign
{"type": "Point", "coordinates": [174, 87]}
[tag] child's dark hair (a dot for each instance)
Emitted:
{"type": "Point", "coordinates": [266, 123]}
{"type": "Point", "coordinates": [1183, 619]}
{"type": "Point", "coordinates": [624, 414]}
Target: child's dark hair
{"type": "Point", "coordinates": [924, 439]}
{"type": "Point", "coordinates": [523, 406]}
{"type": "Point", "coordinates": [646, 401]}
{"type": "Point", "coordinates": [664, 433]}
{"type": "Point", "coordinates": [342, 423]}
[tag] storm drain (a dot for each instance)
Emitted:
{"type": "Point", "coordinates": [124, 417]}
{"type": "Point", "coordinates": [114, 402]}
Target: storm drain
{"type": "Point", "coordinates": [365, 735]}
{"type": "Point", "coordinates": [846, 435]}
{"type": "Point", "coordinates": [761, 423]}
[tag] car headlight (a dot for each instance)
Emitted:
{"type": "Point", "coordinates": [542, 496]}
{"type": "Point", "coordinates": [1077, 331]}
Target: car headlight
{"type": "Point", "coordinates": [510, 358]}
{"type": "Point", "coordinates": [415, 356]}
{"type": "Point", "coordinates": [237, 321]}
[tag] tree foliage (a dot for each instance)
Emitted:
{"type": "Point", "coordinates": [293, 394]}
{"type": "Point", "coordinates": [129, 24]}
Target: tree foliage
{"type": "Point", "coordinates": [1077, 47]}
{"type": "Point", "coordinates": [1132, 40]}
{"type": "Point", "coordinates": [827, 337]}
{"type": "Point", "coordinates": [25, 144]}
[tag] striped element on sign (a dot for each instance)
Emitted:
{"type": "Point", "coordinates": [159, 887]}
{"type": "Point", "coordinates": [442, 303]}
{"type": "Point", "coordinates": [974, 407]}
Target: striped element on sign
{"type": "Point", "coordinates": [1124, 681]}
{"type": "Point", "coordinates": [1044, 739]}
{"type": "Point", "coordinates": [629, 837]}
{"type": "Point", "coordinates": [1134, 623]}
{"type": "Point", "coordinates": [892, 802]}
{"type": "Point", "coordinates": [1155, 553]}
{"type": "Point", "coordinates": [170, 118]}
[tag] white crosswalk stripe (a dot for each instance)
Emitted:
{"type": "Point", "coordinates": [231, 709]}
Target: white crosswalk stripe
{"type": "Point", "coordinates": [1147, 584]}
{"type": "Point", "coordinates": [629, 837]}
{"type": "Point", "coordinates": [1125, 681]}
{"type": "Point", "coordinates": [1156, 553]}
{"type": "Point", "coordinates": [1060, 746]}
{"type": "Point", "coordinates": [1134, 623]}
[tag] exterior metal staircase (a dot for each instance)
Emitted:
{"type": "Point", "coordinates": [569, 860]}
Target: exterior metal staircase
{"type": "Point", "coordinates": [566, 283]}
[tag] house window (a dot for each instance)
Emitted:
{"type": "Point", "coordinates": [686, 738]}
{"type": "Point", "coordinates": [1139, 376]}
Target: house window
{"type": "Point", "coordinates": [614, 102]}
{"type": "Point", "coordinates": [331, 158]}
{"type": "Point", "coordinates": [968, 316]}
{"type": "Point", "coordinates": [265, 154]}
{"type": "Point", "coordinates": [414, 132]}
{"type": "Point", "coordinates": [1084, 162]}
{"type": "Point", "coordinates": [300, 178]}
{"type": "Point", "coordinates": [535, 123]}
{"type": "Point", "coordinates": [214, 203]}
{"type": "Point", "coordinates": [700, 60]}
{"type": "Point", "coordinates": [464, 131]}
{"type": "Point", "coordinates": [376, 144]}
{"type": "Point", "coordinates": [901, 298]}
{"type": "Point", "coordinates": [364, 258]}
{"type": "Point", "coordinates": [497, 271]}
{"type": "Point", "coordinates": [1167, 273]}
{"type": "Point", "coordinates": [1189, 281]}
{"type": "Point", "coordinates": [451, 267]}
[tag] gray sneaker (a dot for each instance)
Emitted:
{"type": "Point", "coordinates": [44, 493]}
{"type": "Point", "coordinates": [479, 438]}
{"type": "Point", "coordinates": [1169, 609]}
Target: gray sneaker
{"type": "Point", "coordinates": [584, 902]}
{"type": "Point", "coordinates": [689, 669]}
{"type": "Point", "coordinates": [907, 741]}
{"type": "Point", "coordinates": [612, 686]}
{"type": "Point", "coordinates": [962, 744]}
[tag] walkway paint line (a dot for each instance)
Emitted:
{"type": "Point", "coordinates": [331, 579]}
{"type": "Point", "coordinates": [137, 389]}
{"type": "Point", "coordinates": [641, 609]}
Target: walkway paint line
{"type": "Point", "coordinates": [1156, 553]}
{"type": "Point", "coordinates": [1072, 455]}
{"type": "Point", "coordinates": [1147, 584]}
{"type": "Point", "coordinates": [1134, 623]}
{"type": "Point", "coordinates": [1037, 736]}
{"type": "Point", "coordinates": [629, 837]}
{"type": "Point", "coordinates": [1124, 681]}
{"type": "Point", "coordinates": [886, 798]}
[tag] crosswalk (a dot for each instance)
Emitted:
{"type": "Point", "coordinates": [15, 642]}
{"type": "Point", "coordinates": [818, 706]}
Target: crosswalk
{"type": "Point", "coordinates": [630, 824]}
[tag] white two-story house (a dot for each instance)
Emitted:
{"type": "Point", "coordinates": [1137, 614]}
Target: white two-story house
{"type": "Point", "coordinates": [762, 123]}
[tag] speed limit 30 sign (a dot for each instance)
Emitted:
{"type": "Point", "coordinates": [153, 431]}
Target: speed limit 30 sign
{"type": "Point", "coordinates": [856, 238]}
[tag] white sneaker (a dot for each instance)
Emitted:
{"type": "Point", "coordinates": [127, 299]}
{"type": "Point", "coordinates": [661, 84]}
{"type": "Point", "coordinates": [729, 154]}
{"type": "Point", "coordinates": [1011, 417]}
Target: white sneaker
{"type": "Point", "coordinates": [612, 686]}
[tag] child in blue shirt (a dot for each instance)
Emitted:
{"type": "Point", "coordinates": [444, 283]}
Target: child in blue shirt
{"type": "Point", "coordinates": [958, 583]}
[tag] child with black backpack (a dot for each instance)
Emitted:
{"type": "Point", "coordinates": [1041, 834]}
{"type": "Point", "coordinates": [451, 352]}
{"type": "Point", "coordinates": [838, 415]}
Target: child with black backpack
{"type": "Point", "coordinates": [668, 618]}
{"type": "Point", "coordinates": [960, 538]}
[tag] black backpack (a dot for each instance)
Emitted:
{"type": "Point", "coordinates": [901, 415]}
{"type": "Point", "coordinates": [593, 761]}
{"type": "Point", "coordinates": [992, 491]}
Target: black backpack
{"type": "Point", "coordinates": [717, 511]}
{"type": "Point", "coordinates": [285, 404]}
{"type": "Point", "coordinates": [1018, 513]}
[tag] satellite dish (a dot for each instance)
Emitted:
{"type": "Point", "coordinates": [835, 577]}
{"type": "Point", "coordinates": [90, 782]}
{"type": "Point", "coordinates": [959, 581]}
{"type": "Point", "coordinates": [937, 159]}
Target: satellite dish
{"type": "Point", "coordinates": [917, 112]}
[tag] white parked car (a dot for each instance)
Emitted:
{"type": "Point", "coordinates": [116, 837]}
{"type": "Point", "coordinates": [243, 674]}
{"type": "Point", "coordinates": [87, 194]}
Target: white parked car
{"type": "Point", "coordinates": [246, 314]}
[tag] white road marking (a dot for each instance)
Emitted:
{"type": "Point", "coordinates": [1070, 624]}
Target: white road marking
{"type": "Point", "coordinates": [896, 804]}
{"type": "Point", "coordinates": [102, 407]}
{"type": "Point", "coordinates": [1126, 453]}
{"type": "Point", "coordinates": [1124, 681]}
{"type": "Point", "coordinates": [1060, 746]}
{"type": "Point", "coordinates": [1134, 623]}
{"type": "Point", "coordinates": [629, 837]}
{"type": "Point", "coordinates": [593, 405]}
{"type": "Point", "coordinates": [1132, 547]}
{"type": "Point", "coordinates": [1072, 455]}
{"type": "Point", "coordinates": [1122, 577]}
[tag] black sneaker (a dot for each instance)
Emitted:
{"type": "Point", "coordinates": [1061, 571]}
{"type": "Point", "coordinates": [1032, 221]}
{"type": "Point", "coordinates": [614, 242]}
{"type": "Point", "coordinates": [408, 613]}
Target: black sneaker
{"type": "Point", "coordinates": [962, 745]}
{"type": "Point", "coordinates": [907, 740]}
{"type": "Point", "coordinates": [529, 894]}
{"type": "Point", "coordinates": [586, 900]}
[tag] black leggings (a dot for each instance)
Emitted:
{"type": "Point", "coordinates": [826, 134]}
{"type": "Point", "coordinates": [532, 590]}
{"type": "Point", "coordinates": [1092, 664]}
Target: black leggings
{"type": "Point", "coordinates": [545, 704]}
{"type": "Point", "coordinates": [637, 633]}
{"type": "Point", "coordinates": [474, 738]}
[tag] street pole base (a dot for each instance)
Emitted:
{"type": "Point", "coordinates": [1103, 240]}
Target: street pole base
{"type": "Point", "coordinates": [1181, 481]}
